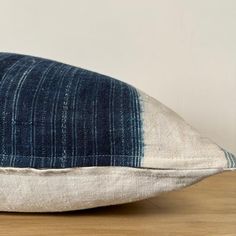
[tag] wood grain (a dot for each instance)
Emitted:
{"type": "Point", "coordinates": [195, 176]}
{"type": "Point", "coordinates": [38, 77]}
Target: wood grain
{"type": "Point", "coordinates": [206, 208]}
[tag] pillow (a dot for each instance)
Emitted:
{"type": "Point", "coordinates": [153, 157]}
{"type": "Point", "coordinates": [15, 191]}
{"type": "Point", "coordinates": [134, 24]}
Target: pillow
{"type": "Point", "coordinates": [74, 139]}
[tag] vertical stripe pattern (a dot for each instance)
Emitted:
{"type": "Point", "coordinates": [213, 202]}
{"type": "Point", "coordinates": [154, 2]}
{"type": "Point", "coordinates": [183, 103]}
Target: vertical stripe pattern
{"type": "Point", "coordinates": [231, 159]}
{"type": "Point", "coordinates": [54, 115]}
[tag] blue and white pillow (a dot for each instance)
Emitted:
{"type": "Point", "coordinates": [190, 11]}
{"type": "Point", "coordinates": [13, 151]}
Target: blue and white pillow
{"type": "Point", "coordinates": [73, 139]}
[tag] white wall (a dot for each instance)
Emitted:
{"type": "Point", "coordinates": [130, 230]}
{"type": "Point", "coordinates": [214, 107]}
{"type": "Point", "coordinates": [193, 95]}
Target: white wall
{"type": "Point", "coordinates": [182, 52]}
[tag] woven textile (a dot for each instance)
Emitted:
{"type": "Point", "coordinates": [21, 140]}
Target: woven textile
{"type": "Point", "coordinates": [58, 116]}
{"type": "Point", "coordinates": [73, 139]}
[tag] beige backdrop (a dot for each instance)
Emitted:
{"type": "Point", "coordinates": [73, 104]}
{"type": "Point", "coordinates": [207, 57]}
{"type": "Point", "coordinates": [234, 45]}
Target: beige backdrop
{"type": "Point", "coordinates": [180, 52]}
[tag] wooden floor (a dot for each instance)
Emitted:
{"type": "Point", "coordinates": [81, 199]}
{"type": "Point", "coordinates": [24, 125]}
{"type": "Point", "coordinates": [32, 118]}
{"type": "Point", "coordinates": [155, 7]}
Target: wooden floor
{"type": "Point", "coordinates": [206, 208]}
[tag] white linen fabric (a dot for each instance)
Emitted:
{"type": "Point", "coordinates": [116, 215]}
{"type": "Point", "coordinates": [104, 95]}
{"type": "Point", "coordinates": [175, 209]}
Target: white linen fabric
{"type": "Point", "coordinates": [32, 190]}
{"type": "Point", "coordinates": [170, 142]}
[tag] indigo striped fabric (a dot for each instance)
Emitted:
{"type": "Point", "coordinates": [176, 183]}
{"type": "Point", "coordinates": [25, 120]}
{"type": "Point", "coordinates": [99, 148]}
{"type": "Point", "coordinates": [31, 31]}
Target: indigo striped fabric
{"type": "Point", "coordinates": [54, 115]}
{"type": "Point", "coordinates": [231, 159]}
